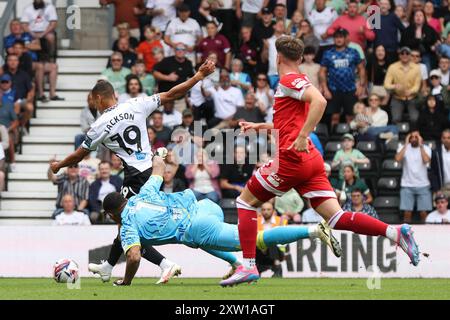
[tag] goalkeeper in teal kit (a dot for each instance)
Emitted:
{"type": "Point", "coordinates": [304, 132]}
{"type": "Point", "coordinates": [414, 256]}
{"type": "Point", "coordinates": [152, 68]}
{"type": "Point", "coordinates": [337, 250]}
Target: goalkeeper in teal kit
{"type": "Point", "coordinates": [155, 218]}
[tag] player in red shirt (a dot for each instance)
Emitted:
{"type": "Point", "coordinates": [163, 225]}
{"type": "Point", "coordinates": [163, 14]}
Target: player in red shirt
{"type": "Point", "coordinates": [298, 108]}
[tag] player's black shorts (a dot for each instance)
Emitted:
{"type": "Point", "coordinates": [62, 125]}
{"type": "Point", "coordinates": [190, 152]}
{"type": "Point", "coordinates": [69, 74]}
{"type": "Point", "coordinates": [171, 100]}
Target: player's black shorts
{"type": "Point", "coordinates": [342, 100]}
{"type": "Point", "coordinates": [132, 183]}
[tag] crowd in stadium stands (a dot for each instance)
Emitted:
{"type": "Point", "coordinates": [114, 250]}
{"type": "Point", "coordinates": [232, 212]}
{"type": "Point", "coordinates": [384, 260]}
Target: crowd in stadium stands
{"type": "Point", "coordinates": [385, 135]}
{"type": "Point", "coordinates": [30, 56]}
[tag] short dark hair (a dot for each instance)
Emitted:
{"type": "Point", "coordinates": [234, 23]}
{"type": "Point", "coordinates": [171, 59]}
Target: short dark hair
{"type": "Point", "coordinates": [349, 166]}
{"type": "Point", "coordinates": [290, 47]}
{"type": "Point", "coordinates": [20, 42]}
{"type": "Point", "coordinates": [133, 77]}
{"type": "Point", "coordinates": [357, 190]}
{"type": "Point", "coordinates": [11, 55]}
{"type": "Point", "coordinates": [157, 112]}
{"type": "Point", "coordinates": [105, 162]}
{"type": "Point", "coordinates": [212, 22]}
{"type": "Point", "coordinates": [103, 88]}
{"type": "Point", "coordinates": [309, 50]}
{"type": "Point", "coordinates": [112, 202]}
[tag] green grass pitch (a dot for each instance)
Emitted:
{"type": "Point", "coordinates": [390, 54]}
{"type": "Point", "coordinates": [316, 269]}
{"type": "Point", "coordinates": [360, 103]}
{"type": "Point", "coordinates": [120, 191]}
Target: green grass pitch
{"type": "Point", "coordinates": [208, 289]}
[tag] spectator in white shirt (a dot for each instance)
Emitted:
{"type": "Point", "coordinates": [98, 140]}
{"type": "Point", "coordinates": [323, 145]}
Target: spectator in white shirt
{"type": "Point", "coordinates": [321, 18]}
{"type": "Point", "coordinates": [249, 11]}
{"type": "Point", "coordinates": [310, 215]}
{"type": "Point", "coordinates": [171, 117]}
{"type": "Point", "coordinates": [444, 70]}
{"type": "Point", "coordinates": [269, 53]}
{"type": "Point", "coordinates": [226, 101]}
{"type": "Point", "coordinates": [133, 89]}
{"type": "Point", "coordinates": [442, 213]}
{"type": "Point", "coordinates": [415, 185]}
{"type": "Point", "coordinates": [373, 121]}
{"type": "Point", "coordinates": [162, 12]}
{"type": "Point", "coordinates": [40, 20]}
{"type": "Point", "coordinates": [416, 57]}
{"type": "Point", "coordinates": [264, 95]}
{"type": "Point", "coordinates": [69, 216]}
{"type": "Point", "coordinates": [202, 108]}
{"type": "Point", "coordinates": [184, 30]}
{"type": "Point", "coordinates": [440, 165]}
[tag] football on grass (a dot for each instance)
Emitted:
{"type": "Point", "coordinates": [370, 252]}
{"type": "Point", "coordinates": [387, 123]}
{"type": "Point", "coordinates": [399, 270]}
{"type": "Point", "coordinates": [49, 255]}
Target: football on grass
{"type": "Point", "coordinates": [65, 271]}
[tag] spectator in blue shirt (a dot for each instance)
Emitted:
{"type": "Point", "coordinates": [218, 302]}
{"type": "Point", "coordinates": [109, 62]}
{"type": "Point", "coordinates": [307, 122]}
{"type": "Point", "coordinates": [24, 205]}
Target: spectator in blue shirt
{"type": "Point", "coordinates": [7, 92]}
{"type": "Point", "coordinates": [338, 77]}
{"type": "Point", "coordinates": [357, 205]}
{"type": "Point", "coordinates": [8, 118]}
{"type": "Point", "coordinates": [387, 34]}
{"type": "Point", "coordinates": [316, 141]}
{"type": "Point", "coordinates": [17, 33]}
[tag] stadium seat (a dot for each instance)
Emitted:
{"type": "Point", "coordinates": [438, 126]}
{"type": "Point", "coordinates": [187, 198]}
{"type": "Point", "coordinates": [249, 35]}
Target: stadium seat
{"type": "Point", "coordinates": [229, 210]}
{"type": "Point", "coordinates": [386, 202]}
{"type": "Point", "coordinates": [368, 170]}
{"type": "Point", "coordinates": [339, 130]}
{"type": "Point", "coordinates": [367, 147]}
{"type": "Point", "coordinates": [391, 148]}
{"type": "Point", "coordinates": [330, 149]}
{"type": "Point", "coordinates": [388, 186]}
{"type": "Point", "coordinates": [390, 167]}
{"type": "Point", "coordinates": [388, 209]}
{"type": "Point", "coordinates": [333, 146]}
{"type": "Point", "coordinates": [216, 150]}
{"type": "Point", "coordinates": [403, 129]}
{"type": "Point", "coordinates": [322, 132]}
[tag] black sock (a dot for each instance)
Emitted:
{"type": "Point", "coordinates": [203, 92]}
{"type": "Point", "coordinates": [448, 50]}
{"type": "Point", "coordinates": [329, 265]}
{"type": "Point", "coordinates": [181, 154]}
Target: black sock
{"type": "Point", "coordinates": [152, 255]}
{"type": "Point", "coordinates": [116, 252]}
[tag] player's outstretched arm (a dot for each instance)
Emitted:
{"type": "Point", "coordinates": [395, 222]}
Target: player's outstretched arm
{"type": "Point", "coordinates": [133, 261]}
{"type": "Point", "coordinates": [317, 105]}
{"type": "Point", "coordinates": [72, 159]}
{"type": "Point", "coordinates": [180, 90]}
{"type": "Point", "coordinates": [246, 126]}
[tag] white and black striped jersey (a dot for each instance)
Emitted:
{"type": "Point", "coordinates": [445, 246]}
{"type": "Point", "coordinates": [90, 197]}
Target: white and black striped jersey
{"type": "Point", "coordinates": [123, 130]}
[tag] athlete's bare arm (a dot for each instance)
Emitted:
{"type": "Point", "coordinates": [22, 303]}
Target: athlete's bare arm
{"type": "Point", "coordinates": [180, 90]}
{"type": "Point", "coordinates": [133, 261]}
{"type": "Point", "coordinates": [245, 126]}
{"type": "Point", "coordinates": [317, 105]}
{"type": "Point", "coordinates": [71, 159]}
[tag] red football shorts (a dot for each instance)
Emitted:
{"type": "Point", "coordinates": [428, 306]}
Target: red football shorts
{"type": "Point", "coordinates": [292, 169]}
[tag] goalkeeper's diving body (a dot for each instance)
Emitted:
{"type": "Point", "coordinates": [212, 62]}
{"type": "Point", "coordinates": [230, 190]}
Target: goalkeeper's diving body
{"type": "Point", "coordinates": [153, 217]}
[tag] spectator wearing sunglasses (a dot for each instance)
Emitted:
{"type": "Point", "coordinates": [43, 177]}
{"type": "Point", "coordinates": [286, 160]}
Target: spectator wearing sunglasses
{"type": "Point", "coordinates": [264, 95]}
{"type": "Point", "coordinates": [70, 183]}
{"type": "Point", "coordinates": [403, 78]}
{"type": "Point", "coordinates": [117, 73]}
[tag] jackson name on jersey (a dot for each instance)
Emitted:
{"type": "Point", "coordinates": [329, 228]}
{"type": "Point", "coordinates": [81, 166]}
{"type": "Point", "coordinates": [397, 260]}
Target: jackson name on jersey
{"type": "Point", "coordinates": [123, 130]}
